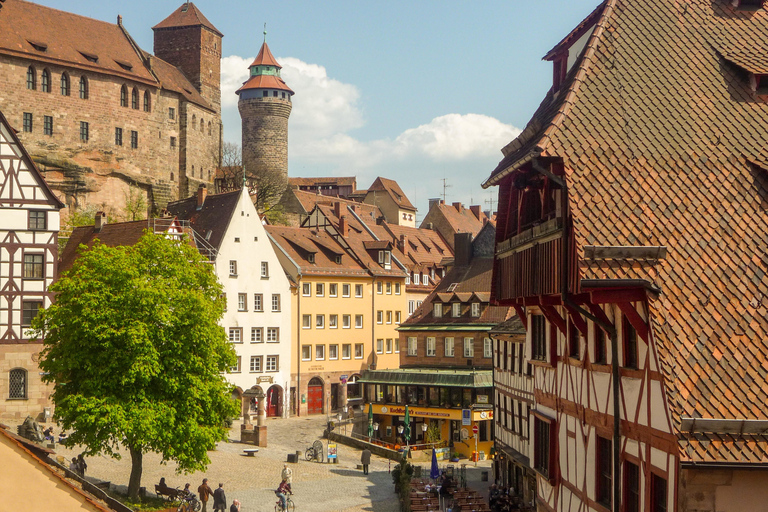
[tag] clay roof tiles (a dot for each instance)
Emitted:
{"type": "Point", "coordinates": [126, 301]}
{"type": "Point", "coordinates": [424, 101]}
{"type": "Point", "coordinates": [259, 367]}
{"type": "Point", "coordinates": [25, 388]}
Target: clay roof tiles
{"type": "Point", "coordinates": [265, 57]}
{"type": "Point", "coordinates": [393, 189]}
{"type": "Point", "coordinates": [210, 221]}
{"type": "Point", "coordinates": [187, 15]}
{"type": "Point", "coordinates": [298, 243]}
{"type": "Point", "coordinates": [265, 82]}
{"type": "Point", "coordinates": [657, 133]}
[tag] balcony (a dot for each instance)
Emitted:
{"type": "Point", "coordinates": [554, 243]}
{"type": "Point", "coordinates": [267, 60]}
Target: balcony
{"type": "Point", "coordinates": [526, 238]}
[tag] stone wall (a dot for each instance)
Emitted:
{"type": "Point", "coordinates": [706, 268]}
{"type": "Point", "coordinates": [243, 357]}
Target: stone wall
{"type": "Point", "coordinates": [23, 355]}
{"type": "Point", "coordinates": [265, 134]}
{"type": "Point", "coordinates": [723, 490]}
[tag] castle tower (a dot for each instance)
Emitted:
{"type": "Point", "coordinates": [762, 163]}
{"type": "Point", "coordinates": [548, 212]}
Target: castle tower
{"type": "Point", "coordinates": [190, 42]}
{"type": "Point", "coordinates": [265, 105]}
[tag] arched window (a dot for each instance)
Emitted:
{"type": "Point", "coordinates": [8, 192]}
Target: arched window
{"type": "Point", "coordinates": [64, 84]}
{"type": "Point", "coordinates": [194, 121]}
{"type": "Point", "coordinates": [147, 100]}
{"type": "Point", "coordinates": [202, 126]}
{"type": "Point", "coordinates": [209, 127]}
{"type": "Point", "coordinates": [31, 78]}
{"type": "Point", "coordinates": [135, 99]}
{"type": "Point", "coordinates": [46, 81]}
{"type": "Point", "coordinates": [171, 176]}
{"type": "Point", "coordinates": [123, 96]}
{"type": "Point", "coordinates": [17, 383]}
{"type": "Point", "coordinates": [83, 88]}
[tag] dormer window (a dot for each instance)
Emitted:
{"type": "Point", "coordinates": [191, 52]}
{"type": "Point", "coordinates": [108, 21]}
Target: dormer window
{"type": "Point", "coordinates": [416, 278]}
{"type": "Point", "coordinates": [41, 47]}
{"type": "Point", "coordinates": [385, 259]}
{"type": "Point", "coordinates": [475, 309]}
{"type": "Point", "coordinates": [311, 257]}
{"type": "Point", "coordinates": [456, 309]}
{"type": "Point", "coordinates": [437, 310]}
{"type": "Point", "coordinates": [760, 84]}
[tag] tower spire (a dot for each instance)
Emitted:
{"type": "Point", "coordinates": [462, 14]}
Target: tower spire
{"type": "Point", "coordinates": [265, 32]}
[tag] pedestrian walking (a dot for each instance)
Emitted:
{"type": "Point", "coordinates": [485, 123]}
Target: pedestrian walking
{"type": "Point", "coordinates": [81, 465]}
{"type": "Point", "coordinates": [235, 506]}
{"type": "Point", "coordinates": [219, 499]}
{"type": "Point", "coordinates": [365, 460]}
{"type": "Point", "coordinates": [205, 492]}
{"type": "Point", "coordinates": [287, 474]}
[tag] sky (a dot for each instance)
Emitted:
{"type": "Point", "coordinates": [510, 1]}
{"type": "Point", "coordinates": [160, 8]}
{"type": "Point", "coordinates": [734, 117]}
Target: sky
{"type": "Point", "coordinates": [416, 91]}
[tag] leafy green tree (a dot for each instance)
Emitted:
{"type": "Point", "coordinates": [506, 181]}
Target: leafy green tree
{"type": "Point", "coordinates": [134, 348]}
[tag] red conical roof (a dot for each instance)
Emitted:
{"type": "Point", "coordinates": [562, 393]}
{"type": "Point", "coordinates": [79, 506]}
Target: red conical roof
{"type": "Point", "coordinates": [265, 58]}
{"type": "Point", "coordinates": [187, 15]}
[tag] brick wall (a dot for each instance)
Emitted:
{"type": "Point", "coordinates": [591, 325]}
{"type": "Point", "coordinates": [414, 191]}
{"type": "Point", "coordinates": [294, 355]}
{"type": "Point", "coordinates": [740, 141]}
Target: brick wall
{"type": "Point", "coordinates": [265, 134]}
{"type": "Point", "coordinates": [440, 359]}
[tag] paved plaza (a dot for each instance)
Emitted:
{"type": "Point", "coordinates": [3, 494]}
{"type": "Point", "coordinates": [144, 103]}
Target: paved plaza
{"type": "Point", "coordinates": [317, 487]}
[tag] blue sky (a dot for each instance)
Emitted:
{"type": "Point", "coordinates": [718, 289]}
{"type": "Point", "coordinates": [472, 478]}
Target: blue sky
{"type": "Point", "coordinates": [415, 91]}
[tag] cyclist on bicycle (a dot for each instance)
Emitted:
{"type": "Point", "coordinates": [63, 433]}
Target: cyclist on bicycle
{"type": "Point", "coordinates": [282, 490]}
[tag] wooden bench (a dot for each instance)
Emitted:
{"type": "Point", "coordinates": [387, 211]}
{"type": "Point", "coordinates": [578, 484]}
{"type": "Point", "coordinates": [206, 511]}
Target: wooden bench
{"type": "Point", "coordinates": [250, 452]}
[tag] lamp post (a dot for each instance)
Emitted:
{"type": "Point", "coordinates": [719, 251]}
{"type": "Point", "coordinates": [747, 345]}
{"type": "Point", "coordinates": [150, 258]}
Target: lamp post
{"type": "Point", "coordinates": [424, 428]}
{"type": "Point", "coordinates": [345, 409]}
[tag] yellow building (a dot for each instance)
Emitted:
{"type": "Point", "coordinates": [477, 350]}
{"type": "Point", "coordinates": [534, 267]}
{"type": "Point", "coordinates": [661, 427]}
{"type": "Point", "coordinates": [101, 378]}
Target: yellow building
{"type": "Point", "coordinates": [347, 300]}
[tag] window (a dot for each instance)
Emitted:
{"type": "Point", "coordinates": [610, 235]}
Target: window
{"type": "Point", "coordinates": [306, 290]}
{"type": "Point", "coordinates": [257, 334]}
{"type": "Point", "coordinates": [147, 102]}
{"type": "Point", "coordinates": [346, 351]}
{"type": "Point", "coordinates": [456, 309]}
{"type": "Point", "coordinates": [173, 142]}
{"type": "Point", "coordinates": [333, 290]}
{"type": "Point", "coordinates": [17, 383]}
{"type": "Point", "coordinates": [135, 99]}
{"type": "Point", "coordinates": [134, 139]}
{"type": "Point", "coordinates": [27, 122]}
{"type": "Point", "coordinates": [631, 487]}
{"type": "Point", "coordinates": [408, 279]}
{"type": "Point", "coordinates": [542, 446]}
{"type": "Point", "coordinates": [320, 321]}
{"type": "Point", "coordinates": [658, 493]}
{"type": "Point", "coordinates": [448, 347]}
{"type": "Point", "coordinates": [83, 131]}
{"type": "Point", "coordinates": [469, 347]}
{"type": "Point", "coordinates": [306, 321]}
{"type": "Point", "coordinates": [397, 288]}
{"type": "Point", "coordinates": [389, 345]}
{"type": "Point", "coordinates": [333, 352]}
{"type": "Point", "coordinates": [630, 345]}
{"type": "Point", "coordinates": [358, 290]}
{"type": "Point", "coordinates": [431, 347]}
{"type": "Point", "coordinates": [319, 352]}
{"type": "Point", "coordinates": [273, 334]}
{"type": "Point", "coordinates": [319, 289]}
{"type": "Point", "coordinates": [358, 350]}
{"type": "Point", "coordinates": [241, 300]}
{"type": "Point", "coordinates": [275, 302]}
{"type": "Point", "coordinates": [416, 278]}
{"type": "Point", "coordinates": [538, 338]}
{"type": "Point", "coordinates": [385, 259]}
{"type": "Point", "coordinates": [235, 334]}
{"type": "Point", "coordinates": [258, 302]}
{"type": "Point", "coordinates": [358, 321]}
{"type": "Point", "coordinates": [411, 306]}
{"type": "Point", "coordinates": [124, 98]}
{"type": "Point", "coordinates": [379, 287]}
{"type": "Point", "coordinates": [171, 113]}
{"type": "Point", "coordinates": [264, 269]}
{"type": "Point", "coordinates": [437, 310]}
{"type": "Point", "coordinates": [345, 289]}
{"type": "Point", "coordinates": [31, 78]}
{"type": "Point", "coordinates": [118, 136]}
{"type": "Point", "coordinates": [271, 365]}
{"type": "Point", "coordinates": [34, 266]}
{"type": "Point", "coordinates": [83, 88]}
{"type": "Point", "coordinates": [487, 348]}
{"type": "Point", "coordinates": [412, 346]}
{"type": "Point", "coordinates": [346, 321]}
{"type": "Point", "coordinates": [64, 84]}
{"type": "Point", "coordinates": [306, 352]}
{"type": "Point", "coordinates": [379, 317]}
{"type": "Point", "coordinates": [47, 125]}
{"type": "Point", "coordinates": [475, 309]}
{"type": "Point", "coordinates": [573, 341]}
{"type": "Point", "coordinates": [29, 310]}
{"type": "Point", "coordinates": [600, 352]}
{"type": "Point", "coordinates": [255, 363]}
{"type": "Point", "coordinates": [333, 321]}
{"type": "Point", "coordinates": [397, 317]}
{"type": "Point", "coordinates": [389, 317]}
{"type": "Point", "coordinates": [46, 81]}
{"type": "Point", "coordinates": [604, 468]}
{"type": "Point", "coordinates": [380, 346]}
{"type": "Point", "coordinates": [236, 368]}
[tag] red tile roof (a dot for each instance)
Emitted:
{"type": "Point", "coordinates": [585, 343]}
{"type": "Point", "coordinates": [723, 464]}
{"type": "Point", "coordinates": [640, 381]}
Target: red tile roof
{"type": "Point", "coordinates": [308, 200]}
{"type": "Point", "coordinates": [210, 221]}
{"type": "Point", "coordinates": [172, 79]}
{"type": "Point", "coordinates": [393, 189]}
{"type": "Point", "coordinates": [187, 15]}
{"type": "Point", "coordinates": [327, 180]}
{"type": "Point", "coordinates": [299, 243]}
{"type": "Point", "coordinates": [459, 218]}
{"type": "Point", "coordinates": [265, 58]}
{"type": "Point", "coordinates": [657, 132]}
{"type": "Point", "coordinates": [265, 82]}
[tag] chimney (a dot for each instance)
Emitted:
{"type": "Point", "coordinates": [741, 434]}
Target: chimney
{"type": "Point", "coordinates": [476, 211]}
{"type": "Point", "coordinates": [100, 221]}
{"type": "Point", "coordinates": [403, 245]}
{"type": "Point", "coordinates": [202, 193]}
{"type": "Point", "coordinates": [119, 21]}
{"type": "Point", "coordinates": [380, 220]}
{"type": "Point", "coordinates": [343, 227]}
{"type": "Point", "coordinates": [462, 249]}
{"type": "Point", "coordinates": [337, 209]}
{"type": "Point", "coordinates": [429, 225]}
{"type": "Point", "coordinates": [433, 202]}
{"type": "Point", "coordinates": [457, 206]}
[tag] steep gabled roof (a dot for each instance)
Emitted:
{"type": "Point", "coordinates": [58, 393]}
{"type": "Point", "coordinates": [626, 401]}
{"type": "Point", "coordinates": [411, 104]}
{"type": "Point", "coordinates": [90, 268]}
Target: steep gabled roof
{"type": "Point", "coordinates": [212, 219]}
{"type": "Point", "coordinates": [299, 243]}
{"type": "Point", "coordinates": [265, 58]}
{"type": "Point", "coordinates": [187, 15]}
{"type": "Point", "coordinates": [395, 192]}
{"type": "Point", "coordinates": [171, 78]}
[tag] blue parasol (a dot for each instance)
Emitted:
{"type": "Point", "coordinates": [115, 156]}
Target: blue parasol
{"type": "Point", "coordinates": [434, 473]}
{"type": "Point", "coordinates": [370, 421]}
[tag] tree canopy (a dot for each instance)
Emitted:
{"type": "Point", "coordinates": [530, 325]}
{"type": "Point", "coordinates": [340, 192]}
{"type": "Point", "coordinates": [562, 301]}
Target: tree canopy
{"type": "Point", "coordinates": [136, 354]}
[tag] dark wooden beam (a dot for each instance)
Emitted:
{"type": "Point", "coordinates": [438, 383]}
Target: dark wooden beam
{"type": "Point", "coordinates": [578, 320]}
{"type": "Point", "coordinates": [635, 319]}
{"type": "Point", "coordinates": [555, 319]}
{"type": "Point", "coordinates": [521, 314]}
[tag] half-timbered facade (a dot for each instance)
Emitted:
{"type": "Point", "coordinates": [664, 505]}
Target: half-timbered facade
{"type": "Point", "coordinates": [631, 216]}
{"type": "Point", "coordinates": [29, 230]}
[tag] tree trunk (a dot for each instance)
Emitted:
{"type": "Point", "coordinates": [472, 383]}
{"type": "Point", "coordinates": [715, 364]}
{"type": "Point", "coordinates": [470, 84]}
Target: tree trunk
{"type": "Point", "coordinates": [135, 481]}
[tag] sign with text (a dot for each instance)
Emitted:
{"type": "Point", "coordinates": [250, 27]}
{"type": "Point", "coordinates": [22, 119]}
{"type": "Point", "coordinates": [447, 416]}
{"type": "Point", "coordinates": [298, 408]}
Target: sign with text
{"type": "Point", "coordinates": [466, 417]}
{"type": "Point", "coordinates": [331, 451]}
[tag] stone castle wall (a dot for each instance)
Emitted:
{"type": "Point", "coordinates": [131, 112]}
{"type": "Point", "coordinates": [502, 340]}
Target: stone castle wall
{"type": "Point", "coordinates": [265, 134]}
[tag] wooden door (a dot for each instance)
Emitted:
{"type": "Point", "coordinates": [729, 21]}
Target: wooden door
{"type": "Point", "coordinates": [315, 399]}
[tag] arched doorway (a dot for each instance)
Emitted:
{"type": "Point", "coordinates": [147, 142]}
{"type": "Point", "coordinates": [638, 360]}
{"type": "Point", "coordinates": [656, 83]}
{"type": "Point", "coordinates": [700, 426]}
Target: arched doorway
{"type": "Point", "coordinates": [274, 401]}
{"type": "Point", "coordinates": [250, 402]}
{"type": "Point", "coordinates": [315, 396]}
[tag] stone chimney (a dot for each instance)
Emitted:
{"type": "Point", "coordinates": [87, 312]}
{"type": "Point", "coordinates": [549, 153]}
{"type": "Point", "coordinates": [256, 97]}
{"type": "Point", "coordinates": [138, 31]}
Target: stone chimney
{"type": "Point", "coordinates": [475, 209]}
{"type": "Point", "coordinates": [343, 226]}
{"type": "Point", "coordinates": [337, 209]}
{"type": "Point", "coordinates": [202, 193]}
{"type": "Point", "coordinates": [462, 249]}
{"type": "Point", "coordinates": [403, 245]}
{"type": "Point", "coordinates": [119, 21]}
{"type": "Point", "coordinates": [457, 206]}
{"type": "Point", "coordinates": [100, 221]}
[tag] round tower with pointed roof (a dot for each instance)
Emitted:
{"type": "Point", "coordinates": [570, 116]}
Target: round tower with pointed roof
{"type": "Point", "coordinates": [265, 105]}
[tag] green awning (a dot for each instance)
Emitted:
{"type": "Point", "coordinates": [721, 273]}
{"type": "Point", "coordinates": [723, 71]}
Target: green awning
{"type": "Point", "coordinates": [429, 377]}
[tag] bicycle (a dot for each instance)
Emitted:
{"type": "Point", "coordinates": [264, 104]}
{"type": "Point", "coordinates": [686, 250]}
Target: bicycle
{"type": "Point", "coordinates": [189, 503]}
{"type": "Point", "coordinates": [315, 452]}
{"type": "Point", "coordinates": [289, 505]}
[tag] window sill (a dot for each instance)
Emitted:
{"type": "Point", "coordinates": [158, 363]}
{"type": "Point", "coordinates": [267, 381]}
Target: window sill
{"type": "Point", "coordinates": [17, 398]}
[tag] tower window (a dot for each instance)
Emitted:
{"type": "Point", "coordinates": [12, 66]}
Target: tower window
{"type": "Point", "coordinates": [173, 142]}
{"type": "Point", "coordinates": [123, 96]}
{"type": "Point", "coordinates": [64, 84]}
{"type": "Point", "coordinates": [135, 99]}
{"type": "Point", "coordinates": [31, 78]}
{"type": "Point", "coordinates": [171, 113]}
{"type": "Point", "coordinates": [283, 95]}
{"type": "Point", "coordinates": [265, 93]}
{"type": "Point", "coordinates": [274, 93]}
{"type": "Point", "coordinates": [83, 88]}
{"type": "Point", "coordinates": [46, 81]}
{"type": "Point", "coordinates": [147, 100]}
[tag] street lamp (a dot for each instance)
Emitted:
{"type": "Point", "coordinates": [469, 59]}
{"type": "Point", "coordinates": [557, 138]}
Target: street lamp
{"type": "Point", "coordinates": [424, 428]}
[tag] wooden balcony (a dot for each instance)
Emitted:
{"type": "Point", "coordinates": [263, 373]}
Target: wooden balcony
{"type": "Point", "coordinates": [539, 232]}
